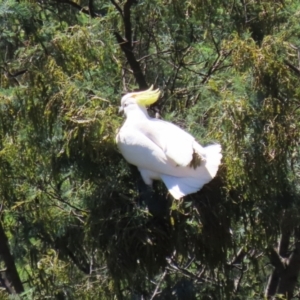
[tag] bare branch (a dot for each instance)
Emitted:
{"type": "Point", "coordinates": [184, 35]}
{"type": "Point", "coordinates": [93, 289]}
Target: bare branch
{"type": "Point", "coordinates": [158, 285]}
{"type": "Point", "coordinates": [91, 9]}
{"type": "Point", "coordinates": [237, 282]}
{"type": "Point", "coordinates": [272, 284]}
{"type": "Point", "coordinates": [285, 236]}
{"type": "Point", "coordinates": [292, 67]}
{"type": "Point", "coordinates": [216, 65]}
{"type": "Point", "coordinates": [135, 66]}
{"type": "Point", "coordinates": [239, 257]}
{"type": "Point", "coordinates": [275, 260]}
{"type": "Point", "coordinates": [127, 21]}
{"type": "Point", "coordinates": [117, 7]}
{"type": "Point", "coordinates": [289, 279]}
{"type": "Point", "coordinates": [4, 282]}
{"type": "Point", "coordinates": [284, 277]}
{"type": "Point", "coordinates": [12, 273]}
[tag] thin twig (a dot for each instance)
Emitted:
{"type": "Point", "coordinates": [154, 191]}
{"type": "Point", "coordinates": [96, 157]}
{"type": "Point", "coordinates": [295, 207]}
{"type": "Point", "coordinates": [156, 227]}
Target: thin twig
{"type": "Point", "coordinates": [158, 285]}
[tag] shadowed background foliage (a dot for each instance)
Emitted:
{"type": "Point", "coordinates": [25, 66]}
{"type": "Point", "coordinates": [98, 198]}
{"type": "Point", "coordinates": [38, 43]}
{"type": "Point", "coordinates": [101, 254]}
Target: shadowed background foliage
{"type": "Point", "coordinates": [76, 221]}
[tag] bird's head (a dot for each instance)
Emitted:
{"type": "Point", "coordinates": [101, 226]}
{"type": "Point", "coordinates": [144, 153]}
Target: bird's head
{"type": "Point", "coordinates": [139, 100]}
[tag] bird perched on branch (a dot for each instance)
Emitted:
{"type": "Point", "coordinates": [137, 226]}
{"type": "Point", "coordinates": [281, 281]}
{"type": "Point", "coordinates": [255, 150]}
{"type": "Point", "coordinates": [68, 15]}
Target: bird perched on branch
{"type": "Point", "coordinates": [162, 150]}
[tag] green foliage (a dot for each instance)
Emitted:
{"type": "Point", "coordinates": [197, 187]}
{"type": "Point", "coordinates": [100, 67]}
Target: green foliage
{"type": "Point", "coordinates": [77, 225]}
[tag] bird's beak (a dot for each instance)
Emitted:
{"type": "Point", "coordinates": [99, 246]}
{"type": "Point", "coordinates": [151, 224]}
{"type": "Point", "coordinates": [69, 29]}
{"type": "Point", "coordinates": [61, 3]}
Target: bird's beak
{"type": "Point", "coordinates": [121, 109]}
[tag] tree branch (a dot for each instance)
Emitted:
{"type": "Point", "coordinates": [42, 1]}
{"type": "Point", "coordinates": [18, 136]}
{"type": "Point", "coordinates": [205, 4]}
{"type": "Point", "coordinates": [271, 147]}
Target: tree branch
{"type": "Point", "coordinates": [292, 67]}
{"type": "Point", "coordinates": [117, 7]}
{"type": "Point", "coordinates": [126, 43]}
{"type": "Point", "coordinates": [135, 66]}
{"type": "Point", "coordinates": [275, 260]}
{"type": "Point", "coordinates": [274, 278]}
{"type": "Point", "coordinates": [91, 9]}
{"type": "Point", "coordinates": [284, 277]}
{"type": "Point", "coordinates": [238, 259]}
{"type": "Point", "coordinates": [289, 277]}
{"type": "Point", "coordinates": [4, 282]}
{"type": "Point", "coordinates": [216, 65]}
{"type": "Point", "coordinates": [285, 236]}
{"type": "Point", "coordinates": [11, 270]}
{"type": "Point", "coordinates": [272, 284]}
{"type": "Point", "coordinates": [158, 285]}
{"type": "Point", "coordinates": [127, 21]}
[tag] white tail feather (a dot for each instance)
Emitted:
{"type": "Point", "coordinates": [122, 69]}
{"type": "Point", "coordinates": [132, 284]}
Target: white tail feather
{"type": "Point", "coordinates": [213, 158]}
{"type": "Point", "coordinates": [182, 186]}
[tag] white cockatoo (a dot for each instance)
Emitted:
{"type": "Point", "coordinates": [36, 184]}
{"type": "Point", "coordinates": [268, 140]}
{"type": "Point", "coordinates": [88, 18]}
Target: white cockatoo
{"type": "Point", "coordinates": [162, 150]}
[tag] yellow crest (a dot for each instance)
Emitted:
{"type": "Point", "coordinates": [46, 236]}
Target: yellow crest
{"type": "Point", "coordinates": [147, 97]}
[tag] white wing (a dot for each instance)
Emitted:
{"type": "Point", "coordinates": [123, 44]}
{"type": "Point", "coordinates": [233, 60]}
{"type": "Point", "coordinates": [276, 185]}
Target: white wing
{"type": "Point", "coordinates": [177, 144]}
{"type": "Point", "coordinates": [139, 150]}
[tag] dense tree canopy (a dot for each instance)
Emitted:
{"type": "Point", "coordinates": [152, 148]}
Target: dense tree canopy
{"type": "Point", "coordinates": [75, 223]}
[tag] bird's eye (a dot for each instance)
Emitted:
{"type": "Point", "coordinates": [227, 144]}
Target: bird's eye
{"type": "Point", "coordinates": [125, 104]}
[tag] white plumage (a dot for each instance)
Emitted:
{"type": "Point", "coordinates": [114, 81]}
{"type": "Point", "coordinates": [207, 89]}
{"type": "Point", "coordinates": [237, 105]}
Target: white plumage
{"type": "Point", "coordinates": [162, 150]}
